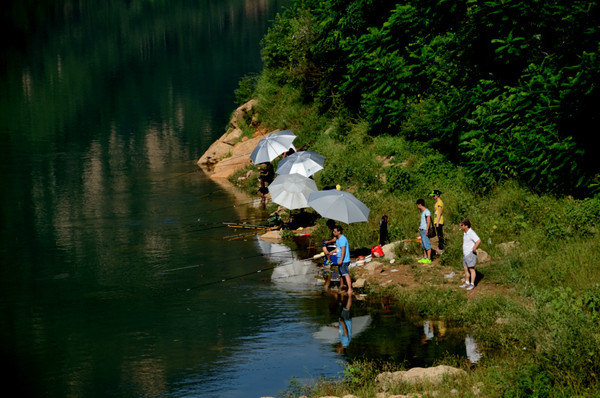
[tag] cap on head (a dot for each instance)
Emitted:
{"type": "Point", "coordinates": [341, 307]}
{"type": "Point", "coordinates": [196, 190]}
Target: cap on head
{"type": "Point", "coordinates": [435, 192]}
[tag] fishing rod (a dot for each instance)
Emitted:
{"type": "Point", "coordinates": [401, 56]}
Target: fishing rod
{"type": "Point", "coordinates": [274, 254]}
{"type": "Point", "coordinates": [239, 224]}
{"type": "Point", "coordinates": [241, 276]}
{"type": "Point", "coordinates": [241, 236]}
{"type": "Point", "coordinates": [248, 226]}
{"type": "Point", "coordinates": [216, 209]}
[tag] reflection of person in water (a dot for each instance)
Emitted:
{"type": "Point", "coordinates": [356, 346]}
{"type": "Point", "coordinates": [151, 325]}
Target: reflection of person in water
{"type": "Point", "coordinates": [345, 325]}
{"type": "Point", "coordinates": [473, 354]}
{"type": "Point", "coordinates": [433, 329]}
{"type": "Point", "coordinates": [428, 330]}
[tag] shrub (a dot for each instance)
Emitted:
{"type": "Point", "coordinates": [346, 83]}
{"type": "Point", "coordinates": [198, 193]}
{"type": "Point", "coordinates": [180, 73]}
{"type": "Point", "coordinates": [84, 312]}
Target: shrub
{"type": "Point", "coordinates": [568, 343]}
{"type": "Point", "coordinates": [361, 374]}
{"type": "Point", "coordinates": [386, 145]}
{"type": "Point", "coordinates": [398, 179]}
{"type": "Point", "coordinates": [245, 90]}
{"type": "Point", "coordinates": [436, 167]}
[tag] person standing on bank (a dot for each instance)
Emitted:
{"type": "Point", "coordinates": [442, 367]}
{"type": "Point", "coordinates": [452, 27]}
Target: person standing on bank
{"type": "Point", "coordinates": [438, 219]}
{"type": "Point", "coordinates": [343, 255]}
{"type": "Point", "coordinates": [423, 228]}
{"type": "Point", "coordinates": [470, 244]}
{"type": "Point", "coordinates": [383, 230]}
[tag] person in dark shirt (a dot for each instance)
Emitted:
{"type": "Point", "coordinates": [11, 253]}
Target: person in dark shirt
{"type": "Point", "coordinates": [383, 230]}
{"type": "Point", "coordinates": [267, 173]}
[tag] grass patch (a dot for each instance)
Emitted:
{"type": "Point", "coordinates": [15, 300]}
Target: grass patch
{"type": "Point", "coordinates": [540, 329]}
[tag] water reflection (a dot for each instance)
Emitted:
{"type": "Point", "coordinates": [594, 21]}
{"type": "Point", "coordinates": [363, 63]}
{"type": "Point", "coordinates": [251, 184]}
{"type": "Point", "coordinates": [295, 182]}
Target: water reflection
{"type": "Point", "coordinates": [473, 353]}
{"type": "Point", "coordinates": [289, 272]}
{"type": "Point", "coordinates": [433, 329]}
{"type": "Point", "coordinates": [346, 327]}
{"type": "Point", "coordinates": [380, 331]}
{"type": "Point", "coordinates": [345, 323]}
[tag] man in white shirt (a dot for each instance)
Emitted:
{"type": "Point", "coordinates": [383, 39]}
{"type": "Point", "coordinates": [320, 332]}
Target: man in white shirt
{"type": "Point", "coordinates": [470, 244]}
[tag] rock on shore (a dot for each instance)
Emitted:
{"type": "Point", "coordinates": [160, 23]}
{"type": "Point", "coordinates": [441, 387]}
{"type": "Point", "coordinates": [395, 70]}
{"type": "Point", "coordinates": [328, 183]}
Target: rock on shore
{"type": "Point", "coordinates": [231, 152]}
{"type": "Point", "coordinates": [424, 376]}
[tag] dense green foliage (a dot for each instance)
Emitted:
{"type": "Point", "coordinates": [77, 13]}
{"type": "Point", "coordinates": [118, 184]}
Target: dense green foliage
{"type": "Point", "coordinates": [507, 88]}
{"type": "Point", "coordinates": [492, 103]}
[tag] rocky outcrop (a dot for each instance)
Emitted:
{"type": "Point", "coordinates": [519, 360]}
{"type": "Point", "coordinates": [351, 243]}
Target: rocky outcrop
{"type": "Point", "coordinates": [231, 152]}
{"type": "Point", "coordinates": [389, 250]}
{"type": "Point", "coordinates": [272, 237]}
{"type": "Point", "coordinates": [424, 376]}
{"type": "Point", "coordinates": [483, 256]}
{"type": "Point", "coordinates": [508, 247]}
{"type": "Point", "coordinates": [434, 375]}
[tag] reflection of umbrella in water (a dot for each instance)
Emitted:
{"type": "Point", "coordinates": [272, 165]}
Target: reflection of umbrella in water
{"type": "Point", "coordinates": [272, 146]}
{"type": "Point", "coordinates": [290, 273]}
{"type": "Point", "coordinates": [275, 252]}
{"type": "Point", "coordinates": [292, 190]}
{"type": "Point", "coordinates": [330, 334]}
{"type": "Point", "coordinates": [306, 163]}
{"type": "Point", "coordinates": [339, 205]}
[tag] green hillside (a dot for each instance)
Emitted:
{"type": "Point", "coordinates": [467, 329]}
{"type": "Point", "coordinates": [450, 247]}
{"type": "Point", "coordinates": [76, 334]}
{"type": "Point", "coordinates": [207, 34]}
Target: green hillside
{"type": "Point", "coordinates": [495, 104]}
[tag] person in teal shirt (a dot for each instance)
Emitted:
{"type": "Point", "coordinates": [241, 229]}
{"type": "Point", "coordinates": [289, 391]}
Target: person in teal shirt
{"type": "Point", "coordinates": [343, 255]}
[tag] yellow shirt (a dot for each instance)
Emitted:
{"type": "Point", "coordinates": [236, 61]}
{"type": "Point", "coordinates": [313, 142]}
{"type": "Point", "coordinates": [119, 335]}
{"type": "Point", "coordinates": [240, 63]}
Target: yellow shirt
{"type": "Point", "coordinates": [439, 214]}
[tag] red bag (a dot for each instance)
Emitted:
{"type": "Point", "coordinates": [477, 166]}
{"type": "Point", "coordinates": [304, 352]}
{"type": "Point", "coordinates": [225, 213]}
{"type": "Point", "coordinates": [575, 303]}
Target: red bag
{"type": "Point", "coordinates": [377, 251]}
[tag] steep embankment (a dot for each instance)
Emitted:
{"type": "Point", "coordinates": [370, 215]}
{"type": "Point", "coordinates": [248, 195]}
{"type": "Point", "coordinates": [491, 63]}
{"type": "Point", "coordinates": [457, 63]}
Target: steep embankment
{"type": "Point", "coordinates": [231, 152]}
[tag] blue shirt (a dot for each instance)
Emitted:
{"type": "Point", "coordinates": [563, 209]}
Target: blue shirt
{"type": "Point", "coordinates": [343, 338]}
{"type": "Point", "coordinates": [424, 214]}
{"type": "Point", "coordinates": [341, 242]}
{"type": "Point", "coordinates": [347, 321]}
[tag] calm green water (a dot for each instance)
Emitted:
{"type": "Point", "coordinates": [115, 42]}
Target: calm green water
{"type": "Point", "coordinates": [117, 275]}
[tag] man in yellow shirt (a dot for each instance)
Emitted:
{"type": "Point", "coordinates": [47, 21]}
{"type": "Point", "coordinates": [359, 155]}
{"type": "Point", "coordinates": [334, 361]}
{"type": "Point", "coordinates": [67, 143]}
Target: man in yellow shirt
{"type": "Point", "coordinates": [439, 219]}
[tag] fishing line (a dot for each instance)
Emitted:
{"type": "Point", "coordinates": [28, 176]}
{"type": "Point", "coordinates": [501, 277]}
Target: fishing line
{"type": "Point", "coordinates": [210, 193]}
{"type": "Point", "coordinates": [241, 236]}
{"type": "Point", "coordinates": [180, 175]}
{"type": "Point", "coordinates": [209, 226]}
{"type": "Point", "coordinates": [180, 268]}
{"type": "Point", "coordinates": [229, 207]}
{"type": "Point", "coordinates": [237, 276]}
{"type": "Point", "coordinates": [229, 260]}
{"type": "Point", "coordinates": [240, 276]}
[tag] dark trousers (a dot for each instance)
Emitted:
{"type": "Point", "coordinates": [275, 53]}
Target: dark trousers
{"type": "Point", "coordinates": [440, 234]}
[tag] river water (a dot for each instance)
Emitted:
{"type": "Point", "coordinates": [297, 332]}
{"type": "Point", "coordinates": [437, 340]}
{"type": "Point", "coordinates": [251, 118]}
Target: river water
{"type": "Point", "coordinates": [117, 274]}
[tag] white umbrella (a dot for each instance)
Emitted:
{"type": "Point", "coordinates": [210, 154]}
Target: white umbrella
{"type": "Point", "coordinates": [306, 163]}
{"type": "Point", "coordinates": [272, 146]}
{"type": "Point", "coordinates": [292, 190]}
{"type": "Point", "coordinates": [339, 205]}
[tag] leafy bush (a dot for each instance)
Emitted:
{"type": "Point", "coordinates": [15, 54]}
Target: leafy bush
{"type": "Point", "coordinates": [505, 89]}
{"type": "Point", "coordinates": [398, 179]}
{"type": "Point", "coordinates": [569, 344]}
{"type": "Point", "coordinates": [527, 380]}
{"type": "Point", "coordinates": [246, 87]}
{"type": "Point", "coordinates": [573, 219]}
{"type": "Point", "coordinates": [436, 167]}
{"type": "Point", "coordinates": [361, 374]}
{"type": "Point", "coordinates": [385, 145]}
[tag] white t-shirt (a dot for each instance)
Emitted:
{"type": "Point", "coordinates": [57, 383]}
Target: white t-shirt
{"type": "Point", "coordinates": [469, 240]}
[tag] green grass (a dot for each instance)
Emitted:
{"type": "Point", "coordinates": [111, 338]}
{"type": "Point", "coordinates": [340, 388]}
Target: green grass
{"type": "Point", "coordinates": [541, 339]}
